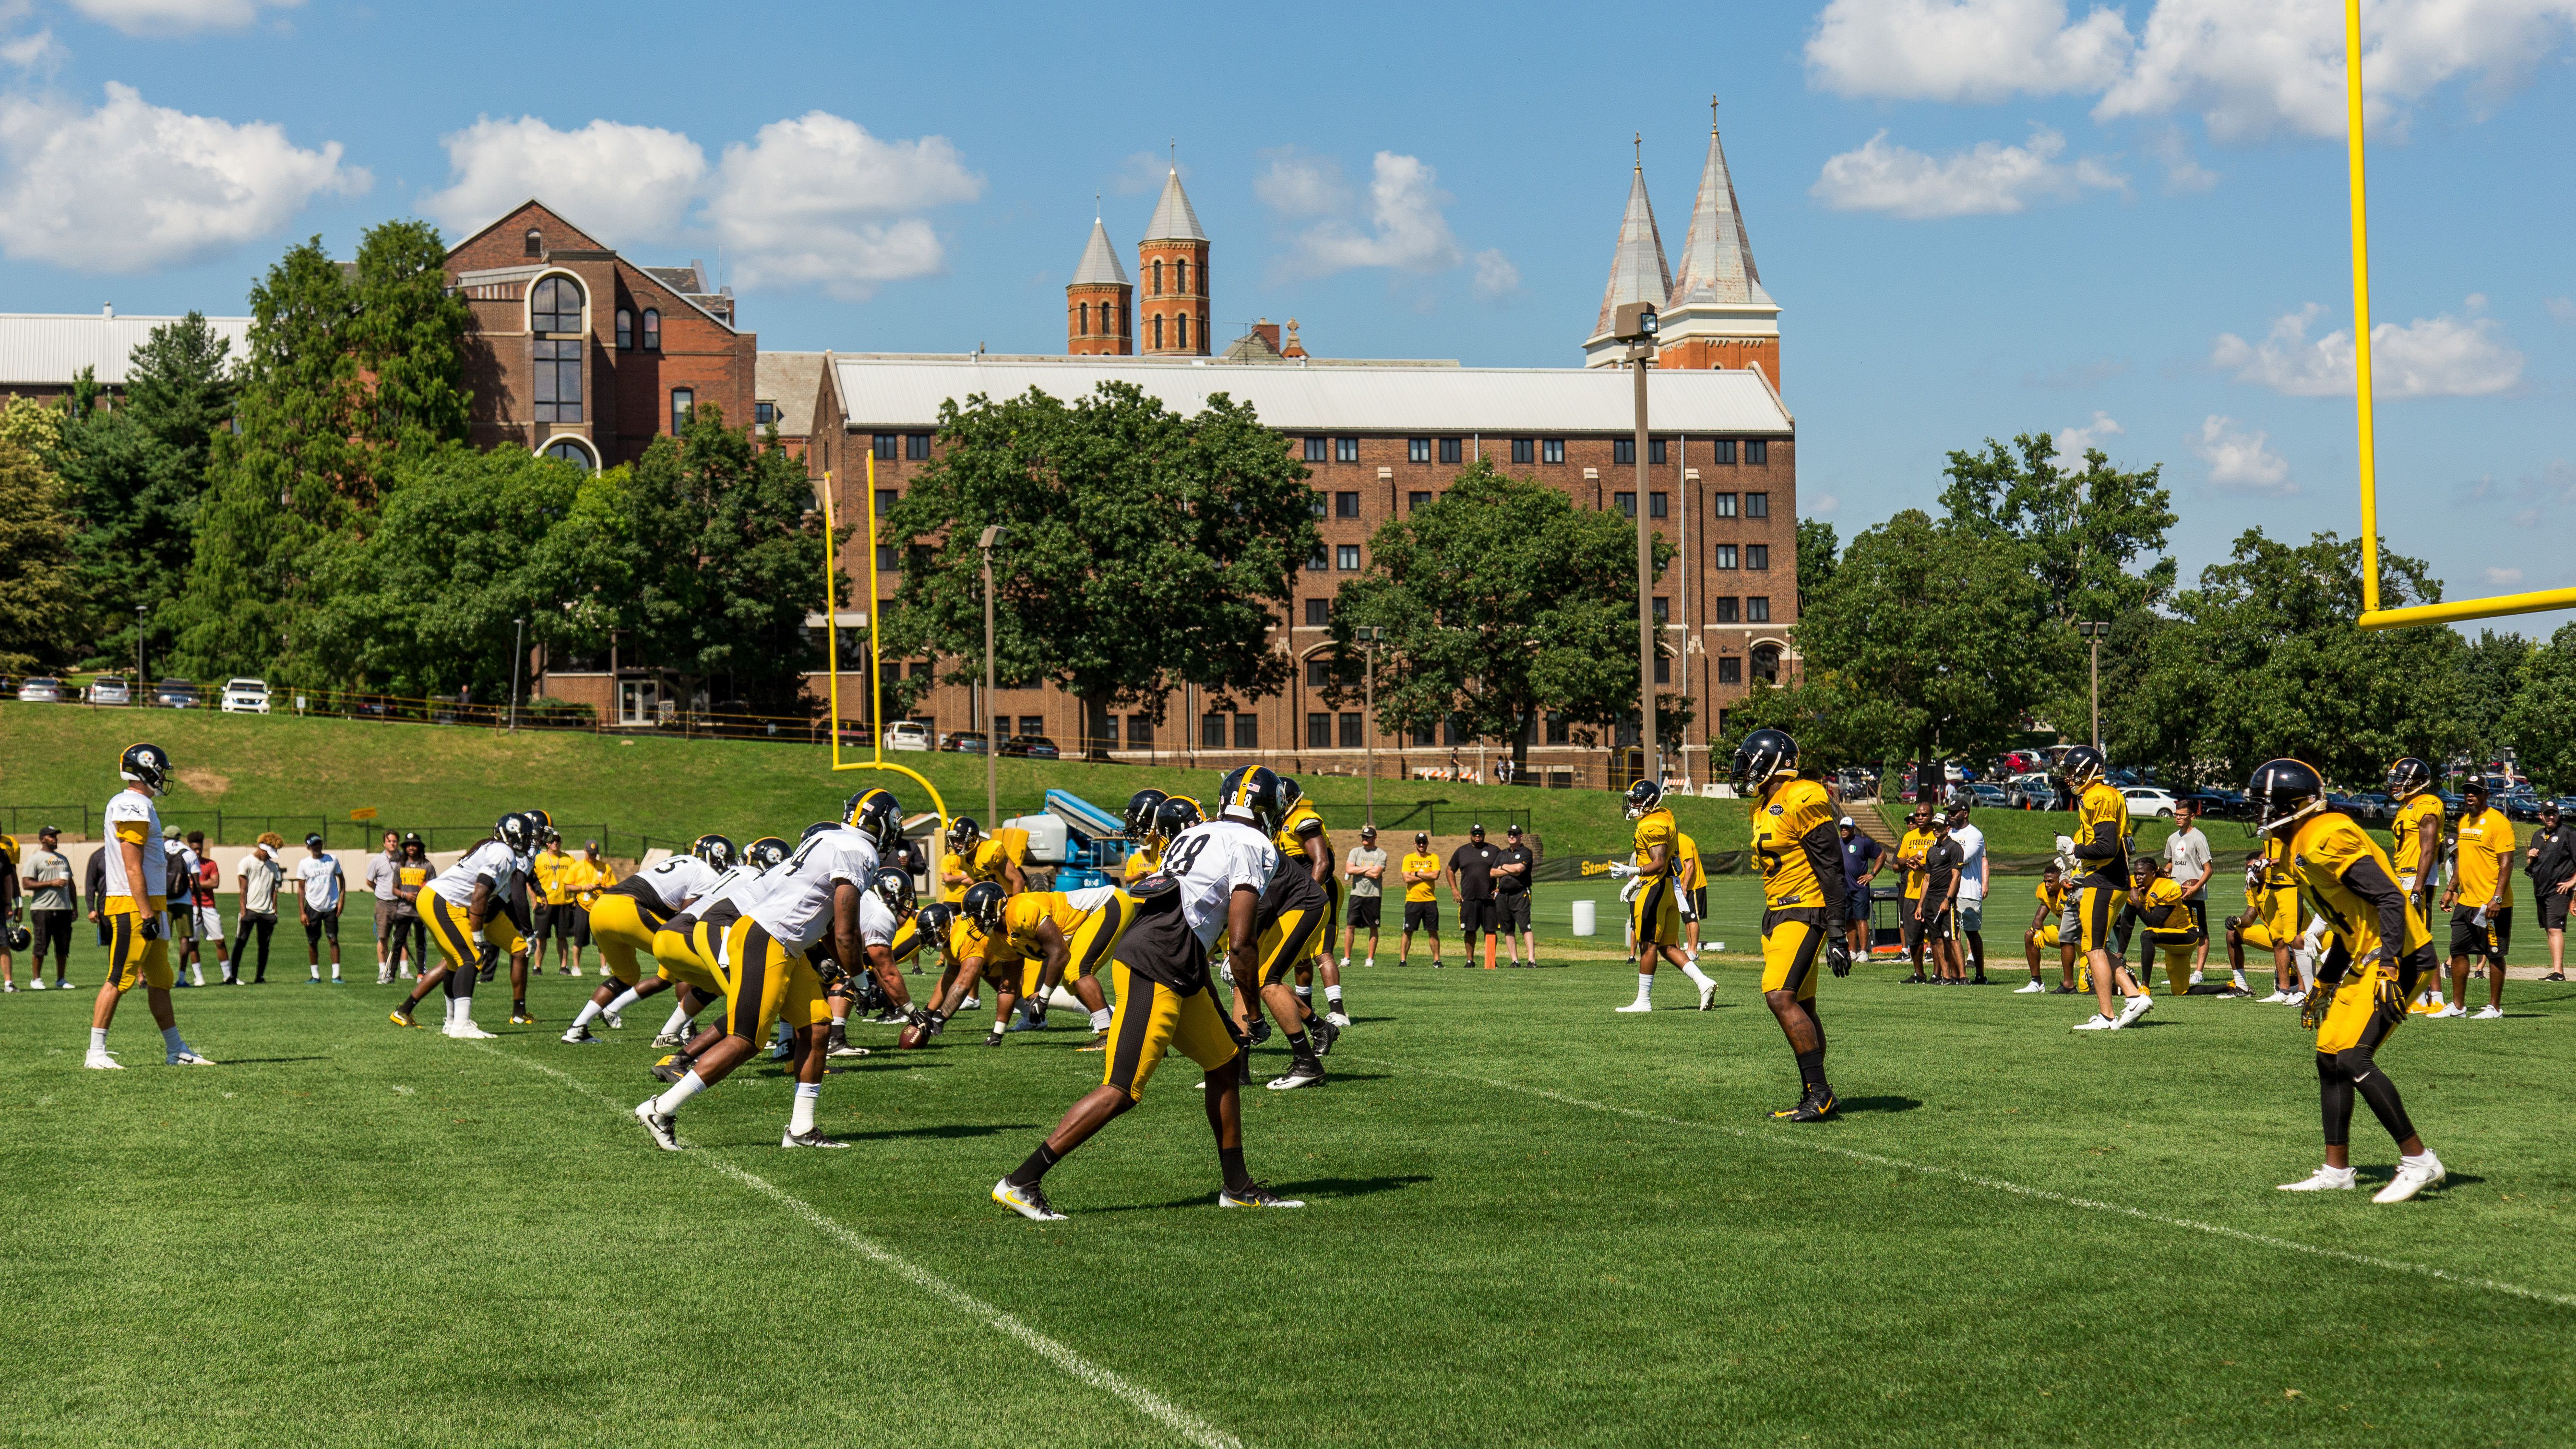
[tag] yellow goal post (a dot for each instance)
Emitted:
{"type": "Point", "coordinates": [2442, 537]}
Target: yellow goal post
{"type": "Point", "coordinates": [876, 657]}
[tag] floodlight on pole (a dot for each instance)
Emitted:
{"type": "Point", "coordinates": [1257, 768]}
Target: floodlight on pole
{"type": "Point", "coordinates": [994, 535]}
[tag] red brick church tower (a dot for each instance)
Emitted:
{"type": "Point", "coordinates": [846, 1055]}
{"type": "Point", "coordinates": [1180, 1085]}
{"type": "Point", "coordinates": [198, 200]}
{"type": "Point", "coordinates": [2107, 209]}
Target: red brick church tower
{"type": "Point", "coordinates": [1172, 279]}
{"type": "Point", "coordinates": [1097, 302]}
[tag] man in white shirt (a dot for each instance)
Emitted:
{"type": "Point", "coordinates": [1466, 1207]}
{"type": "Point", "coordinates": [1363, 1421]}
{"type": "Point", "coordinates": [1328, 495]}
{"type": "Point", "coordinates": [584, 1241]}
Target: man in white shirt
{"type": "Point", "coordinates": [319, 876]}
{"type": "Point", "coordinates": [1211, 880]}
{"type": "Point", "coordinates": [1971, 903]}
{"type": "Point", "coordinates": [2188, 860]}
{"type": "Point", "coordinates": [381, 883]}
{"type": "Point", "coordinates": [134, 907]}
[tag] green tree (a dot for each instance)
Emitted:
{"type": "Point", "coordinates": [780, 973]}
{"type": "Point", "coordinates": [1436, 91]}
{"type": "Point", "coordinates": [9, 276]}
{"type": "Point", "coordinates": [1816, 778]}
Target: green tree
{"type": "Point", "coordinates": [408, 335]}
{"type": "Point", "coordinates": [39, 591]}
{"type": "Point", "coordinates": [1499, 599]}
{"type": "Point", "coordinates": [1833, 725]}
{"type": "Point", "coordinates": [2263, 660]}
{"type": "Point", "coordinates": [1818, 556]}
{"type": "Point", "coordinates": [2535, 722]}
{"type": "Point", "coordinates": [1146, 550]}
{"type": "Point", "coordinates": [1931, 622]}
{"type": "Point", "coordinates": [2491, 668]}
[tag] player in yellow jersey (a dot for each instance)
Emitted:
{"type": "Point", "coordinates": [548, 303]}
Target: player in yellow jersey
{"type": "Point", "coordinates": [1912, 849]}
{"type": "Point", "coordinates": [1304, 842]}
{"type": "Point", "coordinates": [2271, 920]}
{"type": "Point", "coordinates": [135, 911]}
{"type": "Point", "coordinates": [1296, 913]}
{"type": "Point", "coordinates": [1062, 937]}
{"type": "Point", "coordinates": [2043, 934]}
{"type": "Point", "coordinates": [1800, 856]}
{"type": "Point", "coordinates": [1001, 858]}
{"type": "Point", "coordinates": [1692, 880]}
{"type": "Point", "coordinates": [2164, 914]}
{"type": "Point", "coordinates": [2101, 884]}
{"type": "Point", "coordinates": [2480, 900]}
{"type": "Point", "coordinates": [2415, 839]}
{"type": "Point", "coordinates": [1145, 849]}
{"type": "Point", "coordinates": [2379, 950]}
{"type": "Point", "coordinates": [1655, 899]}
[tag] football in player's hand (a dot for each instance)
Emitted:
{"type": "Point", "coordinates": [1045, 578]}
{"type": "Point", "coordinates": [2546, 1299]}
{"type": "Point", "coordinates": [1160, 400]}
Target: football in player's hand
{"type": "Point", "coordinates": [914, 1034]}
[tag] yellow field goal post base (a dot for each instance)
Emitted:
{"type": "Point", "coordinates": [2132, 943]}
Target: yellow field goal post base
{"type": "Point", "coordinates": [2373, 616]}
{"type": "Point", "coordinates": [876, 663]}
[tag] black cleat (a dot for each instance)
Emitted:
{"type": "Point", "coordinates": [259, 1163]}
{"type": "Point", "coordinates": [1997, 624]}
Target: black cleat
{"type": "Point", "coordinates": [1302, 1074]}
{"type": "Point", "coordinates": [671, 1070]}
{"type": "Point", "coordinates": [1816, 1106]}
{"type": "Point", "coordinates": [1325, 1034]}
{"type": "Point", "coordinates": [995, 1038]}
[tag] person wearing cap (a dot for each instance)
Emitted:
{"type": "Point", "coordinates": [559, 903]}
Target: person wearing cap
{"type": "Point", "coordinates": [1365, 868]}
{"type": "Point", "coordinates": [1969, 917]}
{"type": "Point", "coordinates": [1863, 858]}
{"type": "Point", "coordinates": [259, 876]}
{"type": "Point", "coordinates": [551, 896]}
{"type": "Point", "coordinates": [1935, 909]}
{"type": "Point", "coordinates": [380, 884]}
{"type": "Point", "coordinates": [1421, 902]}
{"type": "Point", "coordinates": [1471, 884]}
{"type": "Point", "coordinates": [588, 877]}
{"type": "Point", "coordinates": [1909, 857]}
{"type": "Point", "coordinates": [323, 885]}
{"type": "Point", "coordinates": [409, 956]}
{"type": "Point", "coordinates": [1512, 869]}
{"type": "Point", "coordinates": [2550, 862]}
{"type": "Point", "coordinates": [180, 894]}
{"type": "Point", "coordinates": [2480, 900]}
{"type": "Point", "coordinates": [52, 901]}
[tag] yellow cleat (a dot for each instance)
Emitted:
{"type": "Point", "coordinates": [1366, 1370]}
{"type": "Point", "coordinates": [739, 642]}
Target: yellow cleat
{"type": "Point", "coordinates": [400, 1017]}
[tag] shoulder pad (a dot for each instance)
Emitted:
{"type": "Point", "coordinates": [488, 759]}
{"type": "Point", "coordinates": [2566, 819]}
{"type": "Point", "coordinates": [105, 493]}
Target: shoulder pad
{"type": "Point", "coordinates": [1150, 887]}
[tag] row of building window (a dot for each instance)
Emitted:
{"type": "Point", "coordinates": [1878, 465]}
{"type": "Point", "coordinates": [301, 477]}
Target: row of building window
{"type": "Point", "coordinates": [916, 447]}
{"type": "Point", "coordinates": [1180, 279]}
{"type": "Point", "coordinates": [1721, 610]}
{"type": "Point", "coordinates": [1346, 504]}
{"type": "Point", "coordinates": [1329, 449]}
{"type": "Point", "coordinates": [1180, 331]}
{"type": "Point", "coordinates": [1110, 317]}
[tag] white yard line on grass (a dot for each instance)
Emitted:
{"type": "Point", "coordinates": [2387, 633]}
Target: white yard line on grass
{"type": "Point", "coordinates": [1143, 1400]}
{"type": "Point", "coordinates": [1769, 1139]}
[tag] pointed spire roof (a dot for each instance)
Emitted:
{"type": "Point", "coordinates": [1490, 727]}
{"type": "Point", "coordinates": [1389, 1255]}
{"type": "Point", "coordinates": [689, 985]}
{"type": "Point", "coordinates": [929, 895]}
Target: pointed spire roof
{"type": "Point", "coordinates": [1099, 260]}
{"type": "Point", "coordinates": [1638, 272]}
{"type": "Point", "coordinates": [1717, 257]}
{"type": "Point", "coordinates": [1174, 220]}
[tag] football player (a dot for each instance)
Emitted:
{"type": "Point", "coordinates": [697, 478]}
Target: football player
{"type": "Point", "coordinates": [2379, 951]}
{"type": "Point", "coordinates": [887, 938]}
{"type": "Point", "coordinates": [684, 954]}
{"type": "Point", "coordinates": [2102, 848]}
{"type": "Point", "coordinates": [2415, 837]}
{"type": "Point", "coordinates": [2168, 923]}
{"type": "Point", "coordinates": [628, 915]}
{"type": "Point", "coordinates": [1212, 881]}
{"type": "Point", "coordinates": [999, 858]}
{"type": "Point", "coordinates": [134, 911]}
{"type": "Point", "coordinates": [1294, 911]}
{"type": "Point", "coordinates": [2479, 899]}
{"type": "Point", "coordinates": [766, 971]}
{"type": "Point", "coordinates": [468, 899]}
{"type": "Point", "coordinates": [1056, 933]}
{"type": "Point", "coordinates": [978, 957]}
{"type": "Point", "coordinates": [1306, 844]}
{"type": "Point", "coordinates": [2270, 922]}
{"type": "Point", "coordinates": [1798, 851]}
{"type": "Point", "coordinates": [1656, 901]}
{"type": "Point", "coordinates": [2043, 933]}
{"type": "Point", "coordinates": [1145, 855]}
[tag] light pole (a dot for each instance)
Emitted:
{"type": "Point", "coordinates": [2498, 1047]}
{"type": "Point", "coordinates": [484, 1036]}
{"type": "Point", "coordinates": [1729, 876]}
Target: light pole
{"type": "Point", "coordinates": [518, 656]}
{"type": "Point", "coordinates": [992, 539]}
{"type": "Point", "coordinates": [139, 611]}
{"type": "Point", "coordinates": [2093, 631]}
{"type": "Point", "coordinates": [1369, 639]}
{"type": "Point", "coordinates": [1635, 324]}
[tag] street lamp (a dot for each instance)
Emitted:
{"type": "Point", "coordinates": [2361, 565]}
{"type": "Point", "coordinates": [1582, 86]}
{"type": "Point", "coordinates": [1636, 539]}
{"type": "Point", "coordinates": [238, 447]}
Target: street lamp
{"type": "Point", "coordinates": [2095, 631]}
{"type": "Point", "coordinates": [518, 657]}
{"type": "Point", "coordinates": [994, 534]}
{"type": "Point", "coordinates": [139, 611]}
{"type": "Point", "coordinates": [1635, 323]}
{"type": "Point", "coordinates": [1369, 640]}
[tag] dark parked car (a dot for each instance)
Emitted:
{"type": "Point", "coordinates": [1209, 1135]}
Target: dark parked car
{"type": "Point", "coordinates": [2520, 805]}
{"type": "Point", "coordinates": [2379, 809]}
{"type": "Point", "coordinates": [175, 694]}
{"type": "Point", "coordinates": [964, 742]}
{"type": "Point", "coordinates": [1033, 747]}
{"type": "Point", "coordinates": [2216, 804]}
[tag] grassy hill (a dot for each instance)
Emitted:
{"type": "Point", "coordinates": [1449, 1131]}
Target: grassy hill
{"type": "Point", "coordinates": [240, 774]}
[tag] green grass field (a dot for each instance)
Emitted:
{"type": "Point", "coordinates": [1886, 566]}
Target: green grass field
{"type": "Point", "coordinates": [1532, 1221]}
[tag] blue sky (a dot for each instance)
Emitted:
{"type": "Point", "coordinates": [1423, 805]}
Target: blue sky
{"type": "Point", "coordinates": [1980, 217]}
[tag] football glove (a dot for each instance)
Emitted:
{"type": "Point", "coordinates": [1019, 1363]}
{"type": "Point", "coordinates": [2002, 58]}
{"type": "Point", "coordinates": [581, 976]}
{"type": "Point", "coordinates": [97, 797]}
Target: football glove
{"type": "Point", "coordinates": [1686, 906]}
{"type": "Point", "coordinates": [150, 928]}
{"type": "Point", "coordinates": [2313, 1008]}
{"type": "Point", "coordinates": [1628, 892]}
{"type": "Point", "coordinates": [1838, 957]}
{"type": "Point", "coordinates": [1623, 870]}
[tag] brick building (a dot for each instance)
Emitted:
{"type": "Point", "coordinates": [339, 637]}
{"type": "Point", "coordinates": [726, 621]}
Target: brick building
{"type": "Point", "coordinates": [580, 353]}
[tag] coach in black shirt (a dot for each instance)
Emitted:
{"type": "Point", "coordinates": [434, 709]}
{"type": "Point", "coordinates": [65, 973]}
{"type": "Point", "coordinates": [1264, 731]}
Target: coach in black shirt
{"type": "Point", "coordinates": [1471, 880]}
{"type": "Point", "coordinates": [1942, 865]}
{"type": "Point", "coordinates": [1511, 908]}
{"type": "Point", "coordinates": [2551, 864]}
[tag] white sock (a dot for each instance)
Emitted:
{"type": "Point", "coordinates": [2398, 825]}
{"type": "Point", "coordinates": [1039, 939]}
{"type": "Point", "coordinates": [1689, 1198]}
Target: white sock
{"type": "Point", "coordinates": [808, 1096]}
{"type": "Point", "coordinates": [1305, 993]}
{"type": "Point", "coordinates": [679, 1019]}
{"type": "Point", "coordinates": [624, 1000]}
{"type": "Point", "coordinates": [1100, 1019]}
{"type": "Point", "coordinates": [170, 1039]}
{"type": "Point", "coordinates": [582, 1018]}
{"type": "Point", "coordinates": [98, 1038]}
{"type": "Point", "coordinates": [1697, 976]}
{"type": "Point", "coordinates": [1645, 986]}
{"type": "Point", "coordinates": [1372, 960]}
{"type": "Point", "coordinates": [314, 971]}
{"type": "Point", "coordinates": [335, 970]}
{"type": "Point", "coordinates": [682, 1090]}
{"type": "Point", "coordinates": [1333, 994]}
{"type": "Point", "coordinates": [2420, 1159]}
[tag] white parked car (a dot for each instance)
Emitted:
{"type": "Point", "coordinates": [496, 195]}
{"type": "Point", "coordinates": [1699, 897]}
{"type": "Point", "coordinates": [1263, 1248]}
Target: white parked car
{"type": "Point", "coordinates": [906, 734]}
{"type": "Point", "coordinates": [40, 689]}
{"type": "Point", "coordinates": [245, 696]}
{"type": "Point", "coordinates": [111, 689]}
{"type": "Point", "coordinates": [2147, 803]}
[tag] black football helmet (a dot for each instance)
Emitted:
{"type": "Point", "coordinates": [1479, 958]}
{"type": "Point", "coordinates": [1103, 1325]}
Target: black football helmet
{"type": "Point", "coordinates": [2082, 766]}
{"type": "Point", "coordinates": [1176, 814]}
{"type": "Point", "coordinates": [2284, 792]}
{"type": "Point", "coordinates": [1645, 795]}
{"type": "Point", "coordinates": [1141, 808]}
{"type": "Point", "coordinates": [877, 815]}
{"type": "Point", "coordinates": [765, 853]}
{"type": "Point", "coordinates": [2408, 777]}
{"type": "Point", "coordinates": [851, 807]}
{"type": "Point", "coordinates": [983, 905]}
{"type": "Point", "coordinates": [18, 937]}
{"type": "Point", "coordinates": [540, 823]}
{"type": "Point", "coordinates": [515, 831]}
{"type": "Point", "coordinates": [716, 851]}
{"type": "Point", "coordinates": [895, 889]}
{"type": "Point", "coordinates": [147, 766]}
{"type": "Point", "coordinates": [1251, 793]}
{"type": "Point", "coordinates": [933, 921]}
{"type": "Point", "coordinates": [1290, 792]}
{"type": "Point", "coordinates": [963, 832]}
{"type": "Point", "coordinates": [1764, 754]}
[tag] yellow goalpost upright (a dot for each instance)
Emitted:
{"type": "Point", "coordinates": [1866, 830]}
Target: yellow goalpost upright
{"type": "Point", "coordinates": [876, 655]}
{"type": "Point", "coordinates": [2373, 616]}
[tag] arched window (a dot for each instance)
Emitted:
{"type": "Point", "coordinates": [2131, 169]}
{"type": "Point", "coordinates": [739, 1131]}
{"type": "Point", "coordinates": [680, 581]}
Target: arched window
{"type": "Point", "coordinates": [1158, 279]}
{"type": "Point", "coordinates": [1158, 331]}
{"type": "Point", "coordinates": [535, 241]}
{"type": "Point", "coordinates": [1181, 277]}
{"type": "Point", "coordinates": [1082, 314]}
{"type": "Point", "coordinates": [1183, 322]}
{"type": "Point", "coordinates": [652, 329]}
{"type": "Point", "coordinates": [568, 451]}
{"type": "Point", "coordinates": [555, 306]}
{"type": "Point", "coordinates": [1766, 663]}
{"type": "Point", "coordinates": [625, 329]}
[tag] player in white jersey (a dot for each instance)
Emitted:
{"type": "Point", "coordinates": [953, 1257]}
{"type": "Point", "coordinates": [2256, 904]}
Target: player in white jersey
{"type": "Point", "coordinates": [1210, 880]}
{"type": "Point", "coordinates": [135, 911]}
{"type": "Point", "coordinates": [630, 914]}
{"type": "Point", "coordinates": [764, 965]}
{"type": "Point", "coordinates": [468, 897]}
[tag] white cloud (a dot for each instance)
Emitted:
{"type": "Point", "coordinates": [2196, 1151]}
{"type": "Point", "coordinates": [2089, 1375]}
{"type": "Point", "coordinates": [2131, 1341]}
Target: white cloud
{"type": "Point", "coordinates": [1963, 50]}
{"type": "Point", "coordinates": [2183, 171]}
{"type": "Point", "coordinates": [131, 186]}
{"type": "Point", "coordinates": [163, 17]}
{"type": "Point", "coordinates": [2563, 309]}
{"type": "Point", "coordinates": [622, 183]}
{"type": "Point", "coordinates": [1408, 231]}
{"type": "Point", "coordinates": [1496, 277]}
{"type": "Point", "coordinates": [38, 51]}
{"type": "Point", "coordinates": [2503, 578]}
{"type": "Point", "coordinates": [1144, 171]}
{"type": "Point", "coordinates": [1989, 179]}
{"type": "Point", "coordinates": [818, 201]}
{"type": "Point", "coordinates": [2071, 442]}
{"type": "Point", "coordinates": [2242, 462]}
{"type": "Point", "coordinates": [1821, 505]}
{"type": "Point", "coordinates": [1298, 187]}
{"type": "Point", "coordinates": [2442, 356]}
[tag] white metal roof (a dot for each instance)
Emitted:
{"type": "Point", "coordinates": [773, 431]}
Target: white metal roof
{"type": "Point", "coordinates": [1174, 218]}
{"type": "Point", "coordinates": [51, 348]}
{"type": "Point", "coordinates": [907, 391]}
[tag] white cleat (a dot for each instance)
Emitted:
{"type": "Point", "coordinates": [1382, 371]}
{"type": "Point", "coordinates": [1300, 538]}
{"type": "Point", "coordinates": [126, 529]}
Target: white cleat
{"type": "Point", "coordinates": [2134, 1008]}
{"type": "Point", "coordinates": [2034, 988]}
{"type": "Point", "coordinates": [1029, 1202]}
{"type": "Point", "coordinates": [102, 1060]}
{"type": "Point", "coordinates": [667, 1040]}
{"type": "Point", "coordinates": [615, 1022]}
{"type": "Point", "coordinates": [36, 985]}
{"type": "Point", "coordinates": [465, 1030]}
{"type": "Point", "coordinates": [2324, 1179]}
{"type": "Point", "coordinates": [847, 1050]}
{"type": "Point", "coordinates": [1338, 1017]}
{"type": "Point", "coordinates": [2414, 1174]}
{"type": "Point", "coordinates": [1371, 961]}
{"type": "Point", "coordinates": [2453, 1009]}
{"type": "Point", "coordinates": [810, 1138]}
{"type": "Point", "coordinates": [578, 1036]}
{"type": "Point", "coordinates": [664, 1127]}
{"type": "Point", "coordinates": [1634, 1006]}
{"type": "Point", "coordinates": [2098, 1022]}
{"type": "Point", "coordinates": [2272, 1000]}
{"type": "Point", "coordinates": [186, 1057]}
{"type": "Point", "coordinates": [1708, 995]}
{"type": "Point", "coordinates": [2195, 978]}
{"type": "Point", "coordinates": [2489, 1013]}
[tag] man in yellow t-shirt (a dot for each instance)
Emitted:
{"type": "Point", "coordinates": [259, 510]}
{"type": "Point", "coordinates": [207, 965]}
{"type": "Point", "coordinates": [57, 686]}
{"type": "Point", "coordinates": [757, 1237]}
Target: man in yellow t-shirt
{"type": "Point", "coordinates": [585, 879]}
{"type": "Point", "coordinates": [1421, 871]}
{"type": "Point", "coordinates": [553, 905]}
{"type": "Point", "coordinates": [2480, 900]}
{"type": "Point", "coordinates": [1911, 851]}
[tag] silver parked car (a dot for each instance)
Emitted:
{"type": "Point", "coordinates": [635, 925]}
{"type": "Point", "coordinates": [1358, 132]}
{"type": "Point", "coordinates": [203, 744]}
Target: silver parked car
{"type": "Point", "coordinates": [111, 689]}
{"type": "Point", "coordinates": [40, 689]}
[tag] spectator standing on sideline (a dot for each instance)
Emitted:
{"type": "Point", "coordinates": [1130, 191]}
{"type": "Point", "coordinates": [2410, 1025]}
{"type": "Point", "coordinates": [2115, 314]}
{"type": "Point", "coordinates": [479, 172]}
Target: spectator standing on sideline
{"type": "Point", "coordinates": [2550, 862]}
{"type": "Point", "coordinates": [1365, 867]}
{"type": "Point", "coordinates": [1936, 908]}
{"type": "Point", "coordinates": [319, 874]}
{"type": "Point", "coordinates": [1421, 901]}
{"type": "Point", "coordinates": [260, 875]}
{"type": "Point", "coordinates": [2190, 864]}
{"type": "Point", "coordinates": [1971, 917]}
{"type": "Point", "coordinates": [205, 880]}
{"type": "Point", "coordinates": [411, 933]}
{"type": "Point", "coordinates": [9, 891]}
{"type": "Point", "coordinates": [1512, 868]}
{"type": "Point", "coordinates": [2480, 899]}
{"type": "Point", "coordinates": [1910, 853]}
{"type": "Point", "coordinates": [380, 884]}
{"type": "Point", "coordinates": [179, 892]}
{"type": "Point", "coordinates": [589, 877]}
{"type": "Point", "coordinates": [1862, 861]}
{"type": "Point", "coordinates": [51, 902]}
{"type": "Point", "coordinates": [551, 889]}
{"type": "Point", "coordinates": [1471, 884]}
